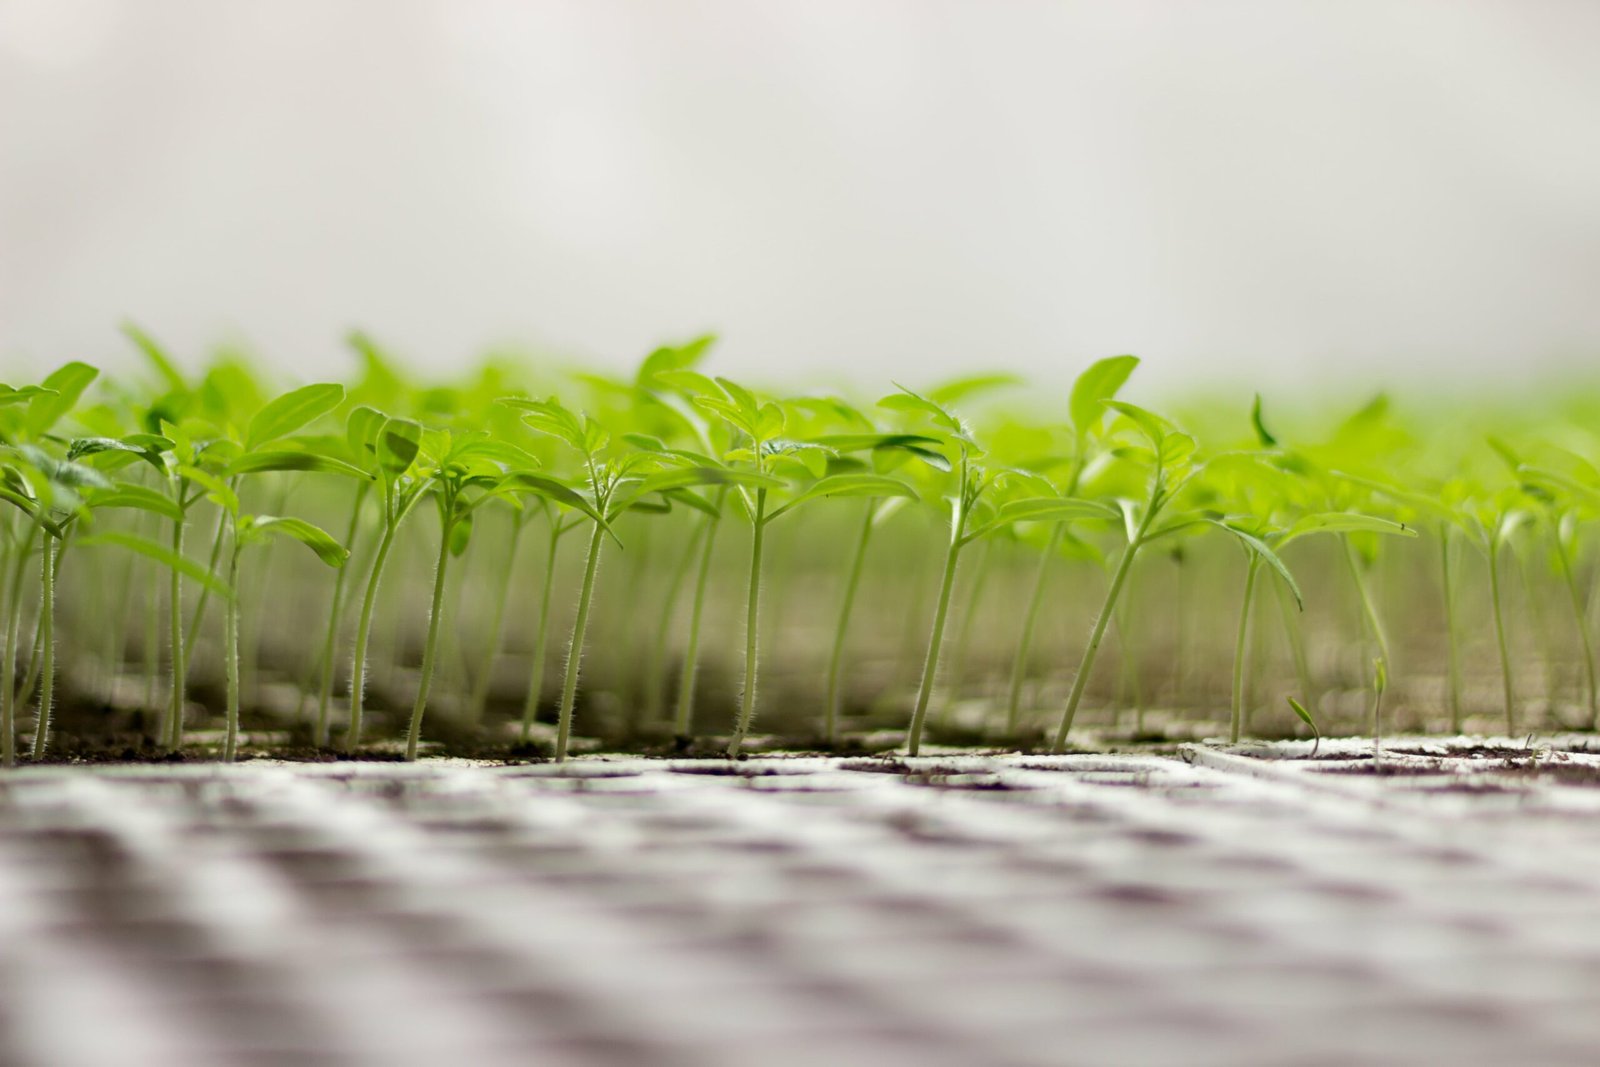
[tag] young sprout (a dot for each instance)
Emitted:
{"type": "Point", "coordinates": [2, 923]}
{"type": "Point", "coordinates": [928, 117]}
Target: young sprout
{"type": "Point", "coordinates": [1171, 464]}
{"type": "Point", "coordinates": [47, 491]}
{"type": "Point", "coordinates": [1099, 383]}
{"type": "Point", "coordinates": [1565, 502]}
{"type": "Point", "coordinates": [761, 452]}
{"type": "Point", "coordinates": [388, 448]}
{"type": "Point", "coordinates": [968, 525]}
{"type": "Point", "coordinates": [463, 472]}
{"type": "Point", "coordinates": [1305, 716]}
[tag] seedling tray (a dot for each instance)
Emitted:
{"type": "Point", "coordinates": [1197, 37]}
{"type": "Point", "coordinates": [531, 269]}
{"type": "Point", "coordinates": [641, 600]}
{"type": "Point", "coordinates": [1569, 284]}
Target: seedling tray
{"type": "Point", "coordinates": [1216, 906]}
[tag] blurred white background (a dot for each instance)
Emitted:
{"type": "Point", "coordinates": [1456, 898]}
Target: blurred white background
{"type": "Point", "coordinates": [1291, 193]}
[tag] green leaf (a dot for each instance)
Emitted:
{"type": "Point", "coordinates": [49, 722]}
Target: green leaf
{"type": "Point", "coordinates": [906, 400]}
{"type": "Point", "coordinates": [1042, 509]}
{"type": "Point", "coordinates": [128, 495]}
{"type": "Point", "coordinates": [361, 429]}
{"type": "Point", "coordinates": [1344, 522]}
{"type": "Point", "coordinates": [1267, 555]}
{"type": "Point", "coordinates": [848, 485]}
{"type": "Point", "coordinates": [315, 538]}
{"type": "Point", "coordinates": [553, 418]}
{"type": "Point", "coordinates": [550, 489]}
{"type": "Point", "coordinates": [1305, 717]}
{"type": "Point", "coordinates": [218, 492]}
{"type": "Point", "coordinates": [163, 555]}
{"type": "Point", "coordinates": [692, 500]}
{"type": "Point", "coordinates": [920, 445]}
{"type": "Point", "coordinates": [158, 358]}
{"type": "Point", "coordinates": [688, 381]}
{"type": "Point", "coordinates": [1153, 426]}
{"type": "Point", "coordinates": [1263, 435]}
{"type": "Point", "coordinates": [66, 385]}
{"type": "Point", "coordinates": [291, 411]}
{"type": "Point", "coordinates": [670, 358]}
{"type": "Point", "coordinates": [959, 389]}
{"type": "Point", "coordinates": [1099, 383]}
{"type": "Point", "coordinates": [275, 460]}
{"type": "Point", "coordinates": [9, 396]}
{"type": "Point", "coordinates": [686, 477]}
{"type": "Point", "coordinates": [729, 412]}
{"type": "Point", "coordinates": [398, 444]}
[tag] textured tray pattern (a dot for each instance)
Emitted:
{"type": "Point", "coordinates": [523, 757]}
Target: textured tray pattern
{"type": "Point", "coordinates": [1216, 909]}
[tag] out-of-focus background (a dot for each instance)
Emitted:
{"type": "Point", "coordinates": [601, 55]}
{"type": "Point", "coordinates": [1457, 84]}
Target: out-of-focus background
{"type": "Point", "coordinates": [1285, 194]}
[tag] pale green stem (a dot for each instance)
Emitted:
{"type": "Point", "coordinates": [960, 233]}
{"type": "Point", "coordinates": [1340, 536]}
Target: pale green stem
{"type": "Point", "coordinates": [1582, 622]}
{"type": "Point", "coordinates": [846, 606]}
{"type": "Point", "coordinates": [1501, 640]}
{"type": "Point", "coordinates": [479, 697]}
{"type": "Point", "coordinates": [331, 638]}
{"type": "Point", "coordinates": [358, 665]}
{"type": "Point", "coordinates": [1369, 616]}
{"type": "Point", "coordinates": [747, 698]}
{"type": "Point", "coordinates": [8, 662]}
{"type": "Point", "coordinates": [1086, 664]}
{"type": "Point", "coordinates": [956, 677]}
{"type": "Point", "coordinates": [430, 644]}
{"type": "Point", "coordinates": [230, 649]}
{"type": "Point", "coordinates": [47, 641]}
{"type": "Point", "coordinates": [691, 651]}
{"type": "Point", "coordinates": [941, 611]}
{"type": "Point", "coordinates": [1030, 619]}
{"type": "Point", "coordinates": [1452, 632]}
{"type": "Point", "coordinates": [569, 684]}
{"type": "Point", "coordinates": [1241, 644]}
{"type": "Point", "coordinates": [152, 635]}
{"type": "Point", "coordinates": [180, 673]}
{"type": "Point", "coordinates": [199, 614]}
{"type": "Point", "coordinates": [654, 682]}
{"type": "Point", "coordinates": [530, 704]}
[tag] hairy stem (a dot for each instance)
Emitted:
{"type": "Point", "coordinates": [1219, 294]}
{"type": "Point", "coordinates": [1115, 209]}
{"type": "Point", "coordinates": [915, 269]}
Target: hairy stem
{"type": "Point", "coordinates": [358, 665]}
{"type": "Point", "coordinates": [930, 664]}
{"type": "Point", "coordinates": [691, 651]}
{"type": "Point", "coordinates": [47, 642]}
{"type": "Point", "coordinates": [1086, 664]}
{"type": "Point", "coordinates": [1030, 619]}
{"type": "Point", "coordinates": [430, 643]}
{"type": "Point", "coordinates": [569, 684]}
{"type": "Point", "coordinates": [847, 602]}
{"type": "Point", "coordinates": [331, 638]}
{"type": "Point", "coordinates": [752, 628]}
{"type": "Point", "coordinates": [8, 660]}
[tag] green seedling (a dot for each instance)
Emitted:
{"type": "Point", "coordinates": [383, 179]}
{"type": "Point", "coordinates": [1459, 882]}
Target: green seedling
{"type": "Point", "coordinates": [1305, 716]}
{"type": "Point", "coordinates": [967, 524]}
{"type": "Point", "coordinates": [1086, 407]}
{"type": "Point", "coordinates": [1170, 461]}
{"type": "Point", "coordinates": [771, 462]}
